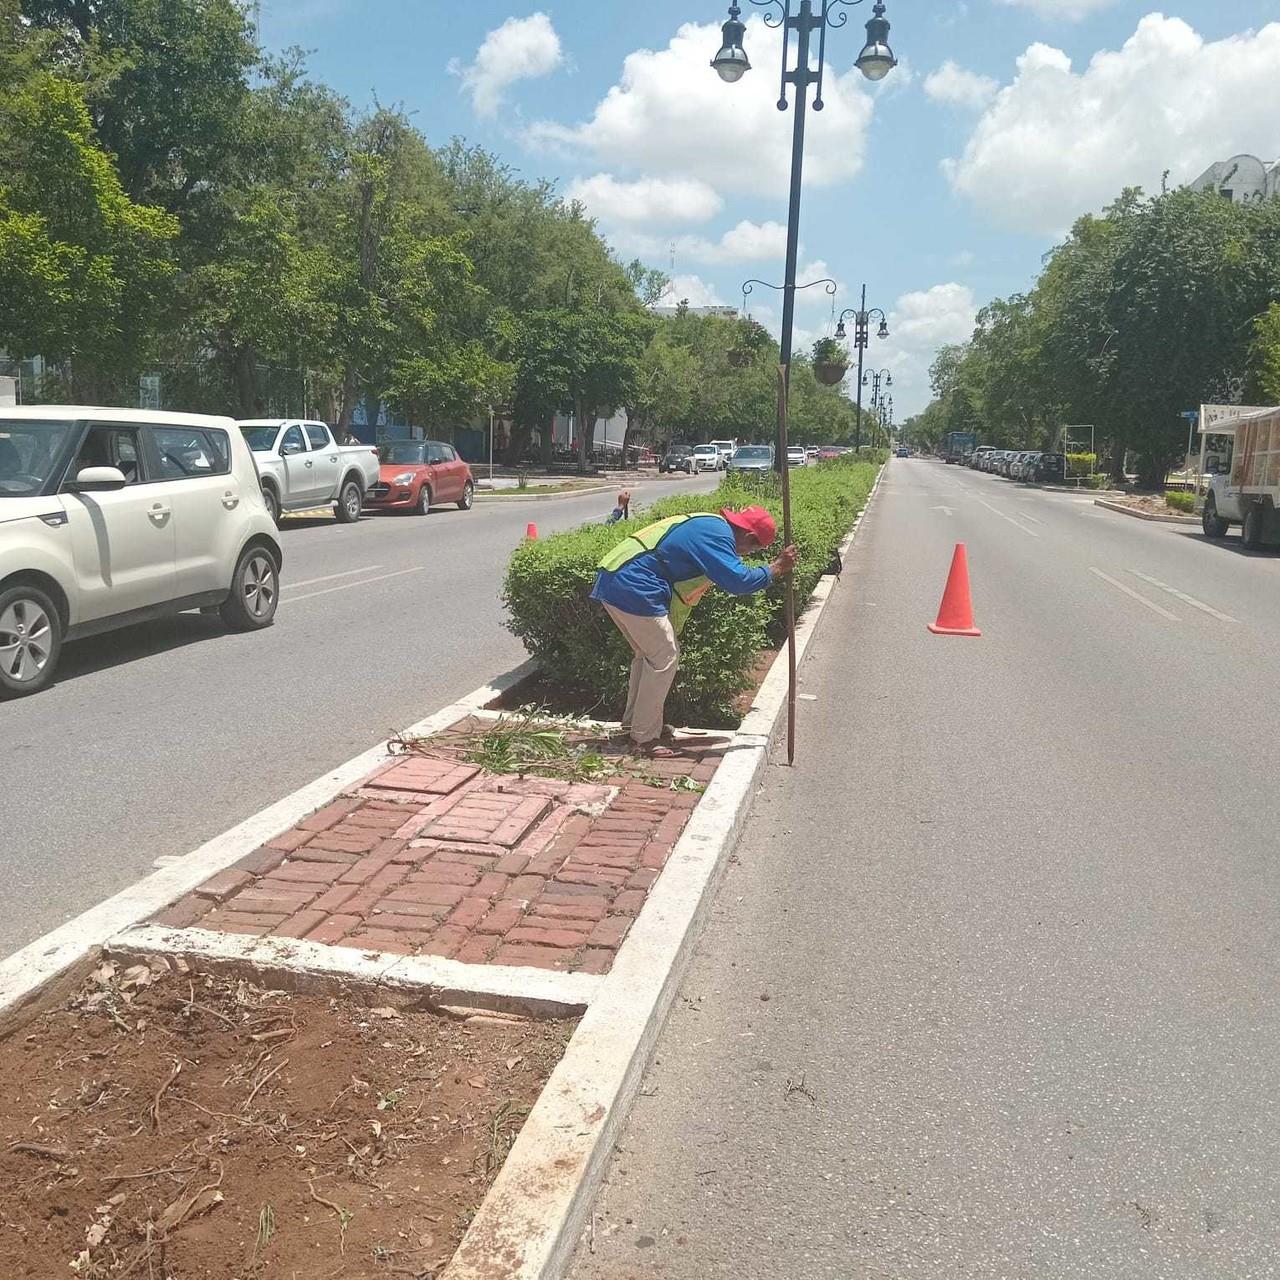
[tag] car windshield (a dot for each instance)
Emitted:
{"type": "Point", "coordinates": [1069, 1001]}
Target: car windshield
{"type": "Point", "coordinates": [706, 448]}
{"type": "Point", "coordinates": [29, 454]}
{"type": "Point", "coordinates": [404, 453]}
{"type": "Point", "coordinates": [260, 438]}
{"type": "Point", "coordinates": [679, 450]}
{"type": "Point", "coordinates": [753, 453]}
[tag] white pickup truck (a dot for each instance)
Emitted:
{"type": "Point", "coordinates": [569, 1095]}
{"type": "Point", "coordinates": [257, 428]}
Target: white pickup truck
{"type": "Point", "coordinates": [301, 467]}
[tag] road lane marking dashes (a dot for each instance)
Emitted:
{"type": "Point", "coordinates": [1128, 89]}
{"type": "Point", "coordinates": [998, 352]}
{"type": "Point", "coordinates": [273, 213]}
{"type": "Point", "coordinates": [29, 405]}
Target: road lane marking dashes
{"type": "Point", "coordinates": [346, 586]}
{"type": "Point", "coordinates": [329, 577]}
{"type": "Point", "coordinates": [1132, 594]}
{"type": "Point", "coordinates": [1010, 519]}
{"type": "Point", "coordinates": [1186, 599]}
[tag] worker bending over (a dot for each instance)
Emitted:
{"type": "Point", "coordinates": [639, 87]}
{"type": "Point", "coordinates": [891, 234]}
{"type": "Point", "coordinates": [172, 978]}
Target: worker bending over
{"type": "Point", "coordinates": [650, 582]}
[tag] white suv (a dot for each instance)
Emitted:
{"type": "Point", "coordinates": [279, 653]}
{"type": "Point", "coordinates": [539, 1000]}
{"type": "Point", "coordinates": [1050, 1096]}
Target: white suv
{"type": "Point", "coordinates": [114, 516]}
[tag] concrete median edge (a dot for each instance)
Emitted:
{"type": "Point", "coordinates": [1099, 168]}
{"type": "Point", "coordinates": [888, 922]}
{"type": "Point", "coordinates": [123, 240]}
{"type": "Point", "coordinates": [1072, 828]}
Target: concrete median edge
{"type": "Point", "coordinates": [529, 1223]}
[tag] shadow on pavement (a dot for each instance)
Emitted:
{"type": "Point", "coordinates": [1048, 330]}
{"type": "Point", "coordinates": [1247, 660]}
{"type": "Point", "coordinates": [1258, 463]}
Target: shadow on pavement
{"type": "Point", "coordinates": [146, 640]}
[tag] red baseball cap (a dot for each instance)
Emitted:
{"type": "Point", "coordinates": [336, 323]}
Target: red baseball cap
{"type": "Point", "coordinates": [755, 521]}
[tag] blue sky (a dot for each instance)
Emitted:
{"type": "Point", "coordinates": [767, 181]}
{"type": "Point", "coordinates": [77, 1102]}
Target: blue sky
{"type": "Point", "coordinates": [941, 188]}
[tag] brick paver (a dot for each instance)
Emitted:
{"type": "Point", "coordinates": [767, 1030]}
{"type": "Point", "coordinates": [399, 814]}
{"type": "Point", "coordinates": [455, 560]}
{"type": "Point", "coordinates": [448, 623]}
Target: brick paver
{"type": "Point", "coordinates": [433, 856]}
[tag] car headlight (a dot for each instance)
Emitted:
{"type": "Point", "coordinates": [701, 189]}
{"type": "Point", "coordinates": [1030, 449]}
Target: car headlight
{"type": "Point", "coordinates": [405, 477]}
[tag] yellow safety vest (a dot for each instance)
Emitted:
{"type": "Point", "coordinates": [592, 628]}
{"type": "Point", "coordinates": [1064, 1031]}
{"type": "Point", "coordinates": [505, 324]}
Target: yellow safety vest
{"type": "Point", "coordinates": [684, 595]}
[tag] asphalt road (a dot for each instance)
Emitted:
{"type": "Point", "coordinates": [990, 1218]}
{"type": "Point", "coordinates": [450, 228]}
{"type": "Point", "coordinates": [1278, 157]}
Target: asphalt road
{"type": "Point", "coordinates": [990, 989]}
{"type": "Point", "coordinates": [157, 738]}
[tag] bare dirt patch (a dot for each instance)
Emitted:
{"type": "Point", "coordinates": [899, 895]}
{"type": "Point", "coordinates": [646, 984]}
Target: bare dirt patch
{"type": "Point", "coordinates": [175, 1126]}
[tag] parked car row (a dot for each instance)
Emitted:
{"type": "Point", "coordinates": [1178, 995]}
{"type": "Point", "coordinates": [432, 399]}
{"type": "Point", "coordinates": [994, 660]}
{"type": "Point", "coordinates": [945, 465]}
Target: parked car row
{"type": "Point", "coordinates": [1032, 466]}
{"type": "Point", "coordinates": [302, 467]}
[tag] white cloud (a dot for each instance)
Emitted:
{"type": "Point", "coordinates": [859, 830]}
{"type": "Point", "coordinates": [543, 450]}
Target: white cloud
{"type": "Point", "coordinates": [520, 49]}
{"type": "Point", "coordinates": [1062, 10]}
{"type": "Point", "coordinates": [1056, 143]}
{"type": "Point", "coordinates": [746, 242]}
{"type": "Point", "coordinates": [646, 200]}
{"type": "Point", "coordinates": [919, 323]}
{"type": "Point", "coordinates": [671, 115]}
{"type": "Point", "coordinates": [692, 289]}
{"type": "Point", "coordinates": [957, 87]}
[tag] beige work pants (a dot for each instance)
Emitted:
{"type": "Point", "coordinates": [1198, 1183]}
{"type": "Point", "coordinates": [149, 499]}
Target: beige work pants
{"type": "Point", "coordinates": [653, 642]}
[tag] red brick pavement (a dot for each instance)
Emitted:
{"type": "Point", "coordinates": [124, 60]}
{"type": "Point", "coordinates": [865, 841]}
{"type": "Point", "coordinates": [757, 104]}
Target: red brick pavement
{"type": "Point", "coordinates": [431, 856]}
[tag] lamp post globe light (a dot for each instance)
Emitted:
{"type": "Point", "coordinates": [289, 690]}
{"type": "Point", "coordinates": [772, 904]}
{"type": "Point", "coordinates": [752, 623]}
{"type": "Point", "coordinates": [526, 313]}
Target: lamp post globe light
{"type": "Point", "coordinates": [861, 337]}
{"type": "Point", "coordinates": [804, 18]}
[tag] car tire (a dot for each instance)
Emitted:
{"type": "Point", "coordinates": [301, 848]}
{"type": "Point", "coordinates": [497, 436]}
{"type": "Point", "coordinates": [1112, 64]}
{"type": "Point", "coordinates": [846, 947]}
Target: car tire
{"type": "Point", "coordinates": [1251, 529]}
{"type": "Point", "coordinates": [272, 502]}
{"type": "Point", "coordinates": [468, 498]}
{"type": "Point", "coordinates": [30, 640]}
{"type": "Point", "coordinates": [255, 591]}
{"type": "Point", "coordinates": [350, 500]}
{"type": "Point", "coordinates": [1211, 522]}
{"type": "Point", "coordinates": [423, 507]}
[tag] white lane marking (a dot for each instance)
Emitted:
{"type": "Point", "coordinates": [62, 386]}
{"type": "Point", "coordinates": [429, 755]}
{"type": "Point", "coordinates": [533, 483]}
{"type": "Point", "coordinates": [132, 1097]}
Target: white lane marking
{"type": "Point", "coordinates": [1129, 591]}
{"type": "Point", "coordinates": [948, 510]}
{"type": "Point", "coordinates": [346, 586]}
{"type": "Point", "coordinates": [1010, 519]}
{"type": "Point", "coordinates": [329, 577]}
{"type": "Point", "coordinates": [1025, 516]}
{"type": "Point", "coordinates": [1186, 599]}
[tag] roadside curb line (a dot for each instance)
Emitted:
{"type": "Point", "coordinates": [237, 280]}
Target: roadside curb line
{"type": "Point", "coordinates": [498, 495]}
{"type": "Point", "coordinates": [1144, 515]}
{"type": "Point", "coordinates": [25, 974]}
{"type": "Point", "coordinates": [315, 966]}
{"type": "Point", "coordinates": [529, 1223]}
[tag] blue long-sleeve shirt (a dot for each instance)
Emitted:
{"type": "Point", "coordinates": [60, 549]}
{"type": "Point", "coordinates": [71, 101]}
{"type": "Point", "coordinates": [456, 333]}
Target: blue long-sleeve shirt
{"type": "Point", "coordinates": [697, 548]}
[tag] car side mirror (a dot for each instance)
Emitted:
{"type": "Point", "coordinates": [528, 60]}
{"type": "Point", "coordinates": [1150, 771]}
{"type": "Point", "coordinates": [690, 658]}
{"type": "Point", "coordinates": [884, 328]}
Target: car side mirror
{"type": "Point", "coordinates": [97, 480]}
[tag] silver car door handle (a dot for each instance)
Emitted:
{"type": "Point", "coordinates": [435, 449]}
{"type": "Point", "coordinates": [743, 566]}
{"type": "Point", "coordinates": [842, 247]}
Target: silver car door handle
{"type": "Point", "coordinates": [159, 513]}
{"type": "Point", "coordinates": [310, 463]}
{"type": "Point", "coordinates": [333, 457]}
{"type": "Point", "coordinates": [230, 500]}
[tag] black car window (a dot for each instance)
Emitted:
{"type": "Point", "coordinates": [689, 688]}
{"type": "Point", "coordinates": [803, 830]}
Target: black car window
{"type": "Point", "coordinates": [294, 439]}
{"type": "Point", "coordinates": [436, 452]}
{"type": "Point", "coordinates": [110, 446]}
{"type": "Point", "coordinates": [317, 435]}
{"type": "Point", "coordinates": [183, 453]}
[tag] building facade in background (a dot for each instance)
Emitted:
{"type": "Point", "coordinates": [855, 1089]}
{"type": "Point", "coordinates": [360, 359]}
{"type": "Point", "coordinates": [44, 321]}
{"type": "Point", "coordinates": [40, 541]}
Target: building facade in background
{"type": "Point", "coordinates": [1241, 179]}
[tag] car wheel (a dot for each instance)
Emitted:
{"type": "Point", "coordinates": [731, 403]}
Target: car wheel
{"type": "Point", "coordinates": [349, 503]}
{"type": "Point", "coordinates": [255, 591]}
{"type": "Point", "coordinates": [424, 502]}
{"type": "Point", "coordinates": [468, 497]}
{"type": "Point", "coordinates": [273, 505]}
{"type": "Point", "coordinates": [1251, 531]}
{"type": "Point", "coordinates": [1213, 524]}
{"type": "Point", "coordinates": [30, 640]}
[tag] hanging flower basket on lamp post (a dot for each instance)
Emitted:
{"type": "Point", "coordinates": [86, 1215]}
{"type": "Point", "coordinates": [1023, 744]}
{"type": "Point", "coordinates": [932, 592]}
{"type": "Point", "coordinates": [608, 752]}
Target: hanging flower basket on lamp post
{"type": "Point", "coordinates": [830, 361]}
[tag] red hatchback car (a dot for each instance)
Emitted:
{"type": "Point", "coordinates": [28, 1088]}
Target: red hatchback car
{"type": "Point", "coordinates": [417, 474]}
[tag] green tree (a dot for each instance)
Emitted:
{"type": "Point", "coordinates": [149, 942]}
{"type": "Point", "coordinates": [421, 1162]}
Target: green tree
{"type": "Point", "coordinates": [82, 266]}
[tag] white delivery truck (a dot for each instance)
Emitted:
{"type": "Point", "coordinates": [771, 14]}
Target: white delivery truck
{"type": "Point", "coordinates": [1240, 458]}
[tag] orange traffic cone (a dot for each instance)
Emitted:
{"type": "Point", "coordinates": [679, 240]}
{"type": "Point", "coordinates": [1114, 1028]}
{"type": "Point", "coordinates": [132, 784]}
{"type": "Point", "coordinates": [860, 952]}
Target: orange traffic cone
{"type": "Point", "coordinates": [531, 530]}
{"type": "Point", "coordinates": [955, 616]}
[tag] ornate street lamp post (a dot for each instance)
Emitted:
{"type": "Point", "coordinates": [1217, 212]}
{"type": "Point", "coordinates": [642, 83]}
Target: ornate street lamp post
{"type": "Point", "coordinates": [861, 337]}
{"type": "Point", "coordinates": [804, 18]}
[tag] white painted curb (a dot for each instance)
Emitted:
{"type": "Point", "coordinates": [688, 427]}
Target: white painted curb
{"type": "Point", "coordinates": [25, 972]}
{"type": "Point", "coordinates": [529, 1223]}
{"type": "Point", "coordinates": [1172, 518]}
{"type": "Point", "coordinates": [313, 966]}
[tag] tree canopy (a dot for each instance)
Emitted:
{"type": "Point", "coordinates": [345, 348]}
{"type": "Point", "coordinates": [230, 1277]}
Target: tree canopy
{"type": "Point", "coordinates": [175, 199]}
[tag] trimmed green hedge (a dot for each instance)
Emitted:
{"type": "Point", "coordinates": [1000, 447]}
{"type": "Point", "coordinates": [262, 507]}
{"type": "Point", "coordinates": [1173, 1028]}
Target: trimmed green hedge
{"type": "Point", "coordinates": [1082, 464]}
{"type": "Point", "coordinates": [580, 650]}
{"type": "Point", "coordinates": [1180, 500]}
